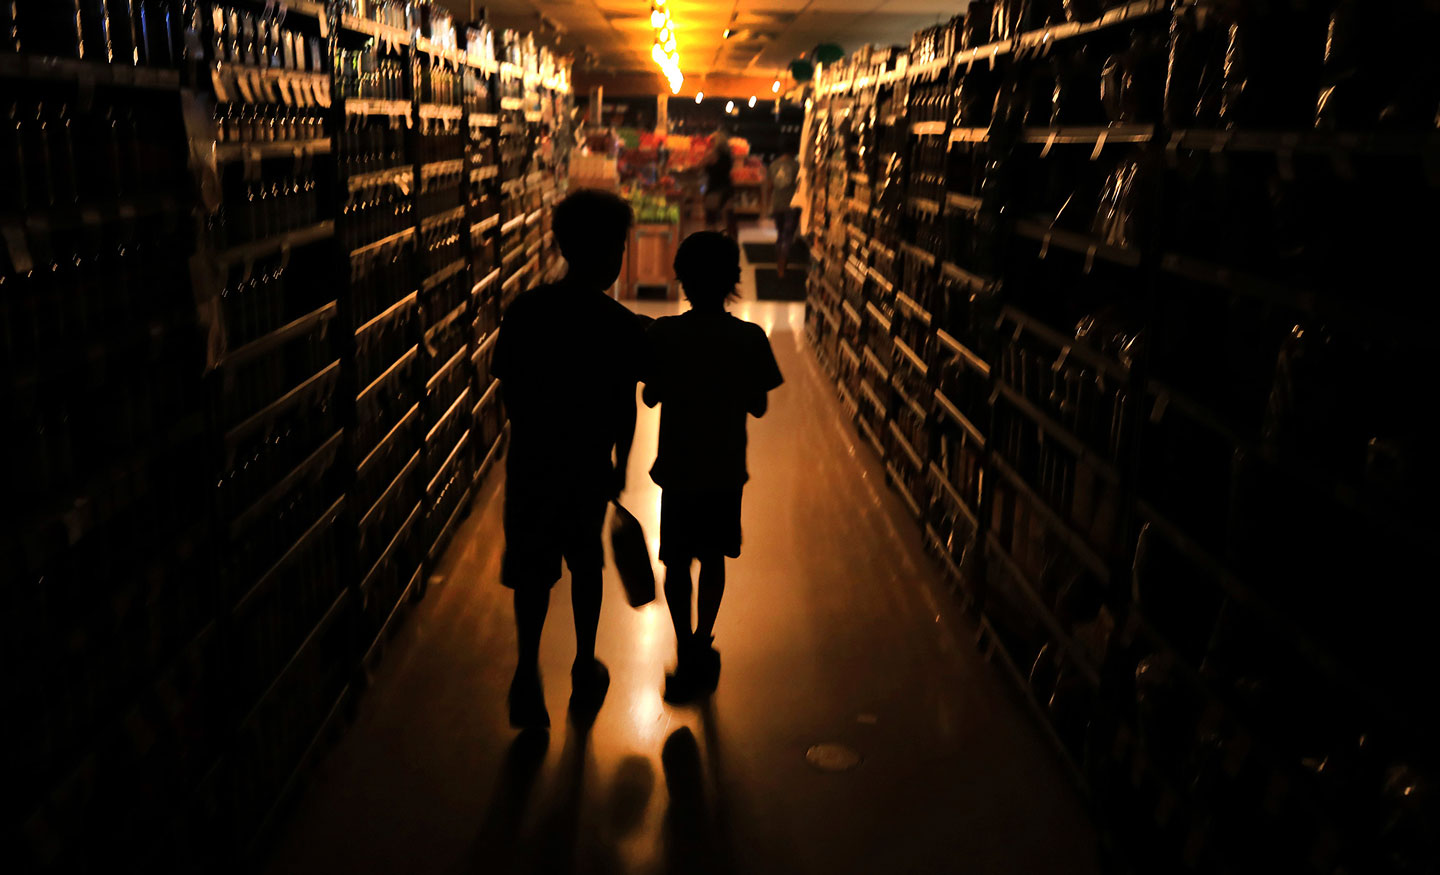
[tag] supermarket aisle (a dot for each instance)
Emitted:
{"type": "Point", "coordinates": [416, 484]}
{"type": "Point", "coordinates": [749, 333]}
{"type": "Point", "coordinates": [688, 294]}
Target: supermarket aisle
{"type": "Point", "coordinates": [834, 630]}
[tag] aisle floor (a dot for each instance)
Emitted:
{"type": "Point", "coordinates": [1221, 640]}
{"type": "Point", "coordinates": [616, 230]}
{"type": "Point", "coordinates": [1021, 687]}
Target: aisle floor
{"type": "Point", "coordinates": [836, 628]}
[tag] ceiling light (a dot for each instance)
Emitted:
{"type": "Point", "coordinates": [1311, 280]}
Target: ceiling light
{"type": "Point", "coordinates": [729, 106]}
{"type": "Point", "coordinates": [699, 96]}
{"type": "Point", "coordinates": [657, 18]}
{"type": "Point", "coordinates": [726, 34]}
{"type": "Point", "coordinates": [775, 87]}
{"type": "Point", "coordinates": [670, 45]}
{"type": "Point", "coordinates": [663, 35]}
{"type": "Point", "coordinates": [752, 101]}
{"type": "Point", "coordinates": [657, 53]}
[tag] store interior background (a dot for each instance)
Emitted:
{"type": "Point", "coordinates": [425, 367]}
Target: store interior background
{"type": "Point", "coordinates": [1087, 533]}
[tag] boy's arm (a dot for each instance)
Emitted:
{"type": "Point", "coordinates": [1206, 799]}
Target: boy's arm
{"type": "Point", "coordinates": [765, 375]}
{"type": "Point", "coordinates": [624, 439]}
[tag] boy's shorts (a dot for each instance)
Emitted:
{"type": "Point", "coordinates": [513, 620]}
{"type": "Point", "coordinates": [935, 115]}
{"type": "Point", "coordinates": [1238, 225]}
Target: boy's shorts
{"type": "Point", "coordinates": [699, 524]}
{"type": "Point", "coordinates": [541, 528]}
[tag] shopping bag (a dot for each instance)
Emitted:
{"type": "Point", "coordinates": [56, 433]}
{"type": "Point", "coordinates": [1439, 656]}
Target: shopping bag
{"type": "Point", "coordinates": [632, 557]}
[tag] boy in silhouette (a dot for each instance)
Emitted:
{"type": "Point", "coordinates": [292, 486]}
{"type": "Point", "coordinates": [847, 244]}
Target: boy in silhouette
{"type": "Point", "coordinates": [568, 358]}
{"type": "Point", "coordinates": [707, 370]}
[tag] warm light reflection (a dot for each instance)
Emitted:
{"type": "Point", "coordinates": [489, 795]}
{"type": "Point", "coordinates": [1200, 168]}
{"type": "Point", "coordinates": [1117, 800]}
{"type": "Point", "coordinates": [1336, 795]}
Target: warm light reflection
{"type": "Point", "coordinates": [699, 96]}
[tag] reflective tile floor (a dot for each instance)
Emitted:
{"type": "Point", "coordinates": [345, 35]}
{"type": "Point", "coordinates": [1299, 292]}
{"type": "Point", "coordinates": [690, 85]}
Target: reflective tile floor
{"type": "Point", "coordinates": [835, 629]}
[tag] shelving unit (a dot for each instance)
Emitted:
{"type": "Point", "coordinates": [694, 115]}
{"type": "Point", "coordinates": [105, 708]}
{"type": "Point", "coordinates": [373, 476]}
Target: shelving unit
{"type": "Point", "coordinates": [1151, 525]}
{"type": "Point", "coordinates": [307, 365]}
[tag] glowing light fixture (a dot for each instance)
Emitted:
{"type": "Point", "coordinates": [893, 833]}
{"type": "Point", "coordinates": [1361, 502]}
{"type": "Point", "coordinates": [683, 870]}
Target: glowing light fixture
{"type": "Point", "coordinates": [729, 106]}
{"type": "Point", "coordinates": [657, 53]}
{"type": "Point", "coordinates": [726, 34]}
{"type": "Point", "coordinates": [775, 87]}
{"type": "Point", "coordinates": [752, 101]}
{"type": "Point", "coordinates": [670, 45]}
{"type": "Point", "coordinates": [699, 96]}
{"type": "Point", "coordinates": [664, 52]}
{"type": "Point", "coordinates": [657, 18]}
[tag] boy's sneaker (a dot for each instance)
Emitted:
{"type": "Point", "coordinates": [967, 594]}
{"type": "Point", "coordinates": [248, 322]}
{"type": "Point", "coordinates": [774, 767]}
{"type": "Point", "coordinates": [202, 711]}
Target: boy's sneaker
{"type": "Point", "coordinates": [697, 672]}
{"type": "Point", "coordinates": [706, 661]}
{"type": "Point", "coordinates": [589, 682]}
{"type": "Point", "coordinates": [527, 701]}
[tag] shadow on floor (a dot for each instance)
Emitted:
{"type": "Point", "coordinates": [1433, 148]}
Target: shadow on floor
{"type": "Point", "coordinates": [565, 833]}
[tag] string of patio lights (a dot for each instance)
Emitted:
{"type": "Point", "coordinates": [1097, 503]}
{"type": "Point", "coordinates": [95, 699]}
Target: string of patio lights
{"type": "Point", "coordinates": [664, 52]}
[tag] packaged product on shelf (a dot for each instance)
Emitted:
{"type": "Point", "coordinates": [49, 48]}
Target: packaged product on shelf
{"type": "Point", "coordinates": [1272, 69]}
{"type": "Point", "coordinates": [979, 17]}
{"type": "Point", "coordinates": [1117, 218]}
{"type": "Point", "coordinates": [1132, 82]}
{"type": "Point", "coordinates": [1074, 99]}
{"type": "Point", "coordinates": [1378, 70]}
{"type": "Point", "coordinates": [1195, 75]}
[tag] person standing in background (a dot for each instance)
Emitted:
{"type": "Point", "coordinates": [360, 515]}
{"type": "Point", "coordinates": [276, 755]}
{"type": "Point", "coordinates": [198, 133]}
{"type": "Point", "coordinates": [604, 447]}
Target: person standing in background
{"type": "Point", "coordinates": [719, 188]}
{"type": "Point", "coordinates": [568, 358]}
{"type": "Point", "coordinates": [784, 175]}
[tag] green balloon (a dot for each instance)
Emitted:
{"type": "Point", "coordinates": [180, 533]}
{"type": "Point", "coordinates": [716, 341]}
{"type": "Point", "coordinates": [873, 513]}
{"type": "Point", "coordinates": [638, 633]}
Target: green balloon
{"type": "Point", "coordinates": [828, 53]}
{"type": "Point", "coordinates": [802, 71]}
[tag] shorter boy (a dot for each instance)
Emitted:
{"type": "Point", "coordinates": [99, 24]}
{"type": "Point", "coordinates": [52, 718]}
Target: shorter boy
{"type": "Point", "coordinates": [707, 370]}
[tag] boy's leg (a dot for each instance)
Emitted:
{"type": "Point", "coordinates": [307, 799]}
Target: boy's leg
{"type": "Point", "coordinates": [712, 590]}
{"type": "Point", "coordinates": [532, 603]}
{"type": "Point", "coordinates": [586, 588]}
{"type": "Point", "coordinates": [677, 599]}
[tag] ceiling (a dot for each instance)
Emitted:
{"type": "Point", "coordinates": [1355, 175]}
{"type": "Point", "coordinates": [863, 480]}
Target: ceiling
{"type": "Point", "coordinates": [769, 33]}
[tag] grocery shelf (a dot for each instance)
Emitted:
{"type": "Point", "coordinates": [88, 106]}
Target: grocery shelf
{"type": "Point", "coordinates": [869, 433]}
{"type": "Point", "coordinates": [914, 359]}
{"type": "Point", "coordinates": [1114, 17]}
{"type": "Point", "coordinates": [396, 429]}
{"type": "Point", "coordinates": [849, 352]}
{"type": "Point", "coordinates": [1238, 281]}
{"type": "Point", "coordinates": [484, 345]}
{"type": "Point", "coordinates": [278, 243]}
{"type": "Point", "coordinates": [960, 419]}
{"type": "Point", "coordinates": [911, 403]}
{"type": "Point", "coordinates": [966, 278]}
{"type": "Point", "coordinates": [948, 489]}
{"type": "Point", "coordinates": [400, 532]}
{"type": "Point", "coordinates": [314, 634]}
{"type": "Point", "coordinates": [1331, 143]}
{"type": "Point", "coordinates": [907, 447]}
{"type": "Point", "coordinates": [447, 215]}
{"type": "Point", "coordinates": [449, 412]}
{"type": "Point", "coordinates": [897, 482]}
{"type": "Point", "coordinates": [268, 342]}
{"type": "Point", "coordinates": [281, 404]}
{"type": "Point", "coordinates": [969, 135]}
{"type": "Point", "coordinates": [391, 490]}
{"type": "Point", "coordinates": [874, 313]}
{"type": "Point", "coordinates": [320, 456]}
{"type": "Point", "coordinates": [445, 368]}
{"type": "Point", "coordinates": [1062, 435]}
{"type": "Point", "coordinates": [449, 458]}
{"type": "Point", "coordinates": [383, 32]}
{"type": "Point", "coordinates": [980, 366]}
{"type": "Point", "coordinates": [1067, 346]}
{"type": "Point", "coordinates": [924, 205]}
{"type": "Point", "coordinates": [881, 369]}
{"type": "Point", "coordinates": [928, 129]}
{"type": "Point", "coordinates": [964, 203]}
{"type": "Point", "coordinates": [394, 368]}
{"type": "Point", "coordinates": [370, 106]}
{"type": "Point", "coordinates": [389, 313]}
{"type": "Point", "coordinates": [874, 397]}
{"type": "Point", "coordinates": [1084, 244]}
{"type": "Point", "coordinates": [491, 392]}
{"type": "Point", "coordinates": [282, 149]}
{"type": "Point", "coordinates": [1077, 655]}
{"type": "Point", "coordinates": [43, 68]}
{"type": "Point", "coordinates": [390, 615]}
{"type": "Point", "coordinates": [1063, 530]}
{"type": "Point", "coordinates": [397, 237]}
{"type": "Point", "coordinates": [442, 538]}
{"type": "Point", "coordinates": [322, 522]}
{"type": "Point", "coordinates": [484, 120]}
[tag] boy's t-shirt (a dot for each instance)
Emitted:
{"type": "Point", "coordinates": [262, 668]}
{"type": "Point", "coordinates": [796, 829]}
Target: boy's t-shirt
{"type": "Point", "coordinates": [567, 361]}
{"type": "Point", "coordinates": [706, 370]}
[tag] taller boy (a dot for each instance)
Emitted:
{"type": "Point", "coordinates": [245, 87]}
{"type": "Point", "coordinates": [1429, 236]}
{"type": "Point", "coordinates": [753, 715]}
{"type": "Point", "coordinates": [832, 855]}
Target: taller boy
{"type": "Point", "coordinates": [707, 370]}
{"type": "Point", "coordinates": [568, 358]}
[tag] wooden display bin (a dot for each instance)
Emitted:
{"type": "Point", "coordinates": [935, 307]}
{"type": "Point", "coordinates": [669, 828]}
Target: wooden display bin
{"type": "Point", "coordinates": [650, 259]}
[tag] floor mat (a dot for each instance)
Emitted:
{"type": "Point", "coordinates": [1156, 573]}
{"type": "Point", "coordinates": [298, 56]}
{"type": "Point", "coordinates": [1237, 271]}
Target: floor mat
{"type": "Point", "coordinates": [770, 287]}
{"type": "Point", "coordinates": [764, 253]}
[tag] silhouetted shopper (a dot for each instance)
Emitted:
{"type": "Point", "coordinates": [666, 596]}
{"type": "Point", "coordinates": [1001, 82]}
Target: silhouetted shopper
{"type": "Point", "coordinates": [719, 187]}
{"type": "Point", "coordinates": [567, 357]}
{"type": "Point", "coordinates": [784, 173]}
{"type": "Point", "coordinates": [707, 370]}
